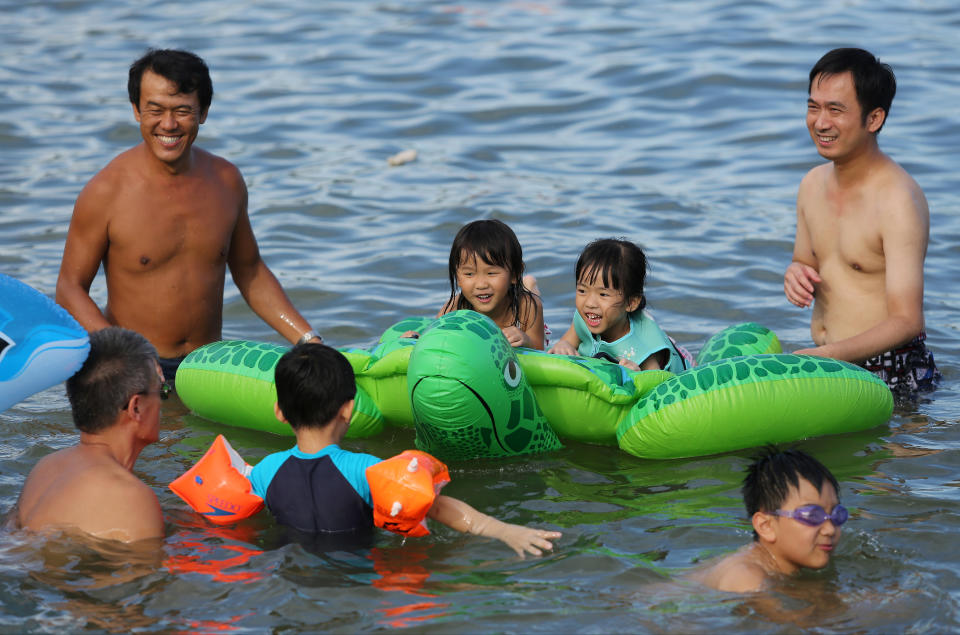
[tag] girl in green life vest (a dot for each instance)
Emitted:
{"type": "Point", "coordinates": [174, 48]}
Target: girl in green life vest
{"type": "Point", "coordinates": [610, 320]}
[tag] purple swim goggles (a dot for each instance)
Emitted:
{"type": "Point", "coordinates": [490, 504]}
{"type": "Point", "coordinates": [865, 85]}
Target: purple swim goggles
{"type": "Point", "coordinates": [814, 515]}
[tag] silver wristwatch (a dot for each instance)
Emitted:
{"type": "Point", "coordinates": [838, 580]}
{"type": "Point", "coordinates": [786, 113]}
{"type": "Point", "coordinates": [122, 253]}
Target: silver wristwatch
{"type": "Point", "coordinates": [306, 337]}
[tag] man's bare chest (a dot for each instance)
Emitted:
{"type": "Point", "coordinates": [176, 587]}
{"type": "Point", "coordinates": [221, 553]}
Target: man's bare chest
{"type": "Point", "coordinates": [847, 238]}
{"type": "Point", "coordinates": [156, 228]}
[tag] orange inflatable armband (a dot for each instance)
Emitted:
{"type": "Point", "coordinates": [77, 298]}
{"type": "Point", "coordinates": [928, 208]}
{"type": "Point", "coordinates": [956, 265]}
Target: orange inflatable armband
{"type": "Point", "coordinates": [403, 489]}
{"type": "Point", "coordinates": [217, 486]}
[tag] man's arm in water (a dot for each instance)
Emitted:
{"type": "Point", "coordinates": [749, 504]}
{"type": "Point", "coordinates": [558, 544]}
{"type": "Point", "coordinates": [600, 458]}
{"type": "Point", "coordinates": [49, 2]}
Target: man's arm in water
{"type": "Point", "coordinates": [259, 287]}
{"type": "Point", "coordinates": [85, 247]}
{"type": "Point", "coordinates": [802, 274]}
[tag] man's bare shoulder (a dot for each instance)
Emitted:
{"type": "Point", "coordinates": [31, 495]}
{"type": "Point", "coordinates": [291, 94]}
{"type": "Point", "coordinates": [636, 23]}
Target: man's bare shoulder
{"type": "Point", "coordinates": [113, 178]}
{"type": "Point", "coordinates": [69, 489]}
{"type": "Point", "coordinates": [135, 512]}
{"type": "Point", "coordinates": [110, 483]}
{"type": "Point", "coordinates": [46, 470]}
{"type": "Point", "coordinates": [815, 178]}
{"type": "Point", "coordinates": [131, 167]}
{"type": "Point", "coordinates": [222, 168]}
{"type": "Point", "coordinates": [897, 191]}
{"type": "Point", "coordinates": [73, 473]}
{"type": "Point", "coordinates": [103, 503]}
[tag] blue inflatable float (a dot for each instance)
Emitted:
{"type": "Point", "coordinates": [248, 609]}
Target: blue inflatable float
{"type": "Point", "coordinates": [40, 343]}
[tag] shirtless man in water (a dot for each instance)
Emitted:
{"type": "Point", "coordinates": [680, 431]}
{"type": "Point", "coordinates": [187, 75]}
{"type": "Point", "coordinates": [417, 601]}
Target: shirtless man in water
{"type": "Point", "coordinates": [166, 218]}
{"type": "Point", "coordinates": [90, 487]}
{"type": "Point", "coordinates": [862, 229]}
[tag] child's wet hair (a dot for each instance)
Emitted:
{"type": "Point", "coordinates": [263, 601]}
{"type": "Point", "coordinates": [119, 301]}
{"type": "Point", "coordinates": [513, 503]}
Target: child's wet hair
{"type": "Point", "coordinates": [773, 472]}
{"type": "Point", "coordinates": [493, 242]}
{"type": "Point", "coordinates": [618, 263]}
{"type": "Point", "coordinates": [313, 382]}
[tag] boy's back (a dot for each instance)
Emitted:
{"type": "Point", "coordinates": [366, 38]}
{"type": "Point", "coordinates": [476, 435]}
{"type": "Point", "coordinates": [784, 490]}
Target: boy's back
{"type": "Point", "coordinates": [322, 492]}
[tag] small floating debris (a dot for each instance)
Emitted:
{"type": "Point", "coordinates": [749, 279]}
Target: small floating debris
{"type": "Point", "coordinates": [403, 157]}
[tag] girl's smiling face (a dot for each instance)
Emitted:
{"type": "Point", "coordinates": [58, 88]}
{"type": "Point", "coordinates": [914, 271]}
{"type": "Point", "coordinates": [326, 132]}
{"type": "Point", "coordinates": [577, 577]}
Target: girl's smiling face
{"type": "Point", "coordinates": [484, 286]}
{"type": "Point", "coordinates": [602, 308]}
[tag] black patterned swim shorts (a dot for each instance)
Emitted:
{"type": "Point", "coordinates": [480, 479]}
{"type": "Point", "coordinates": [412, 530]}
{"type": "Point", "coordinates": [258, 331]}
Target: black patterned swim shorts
{"type": "Point", "coordinates": [908, 368]}
{"type": "Point", "coordinates": [169, 366]}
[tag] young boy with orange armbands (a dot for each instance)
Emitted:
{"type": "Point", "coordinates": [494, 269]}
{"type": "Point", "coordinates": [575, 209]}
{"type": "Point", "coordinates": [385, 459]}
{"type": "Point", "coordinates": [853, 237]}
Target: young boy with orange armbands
{"type": "Point", "coordinates": [316, 487]}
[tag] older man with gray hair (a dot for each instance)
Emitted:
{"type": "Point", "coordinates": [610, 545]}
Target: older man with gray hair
{"type": "Point", "coordinates": [90, 487]}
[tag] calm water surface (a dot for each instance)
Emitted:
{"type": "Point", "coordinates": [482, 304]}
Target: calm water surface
{"type": "Point", "coordinates": [677, 124]}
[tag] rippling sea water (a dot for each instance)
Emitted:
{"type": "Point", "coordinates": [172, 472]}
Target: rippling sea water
{"type": "Point", "coordinates": [676, 124]}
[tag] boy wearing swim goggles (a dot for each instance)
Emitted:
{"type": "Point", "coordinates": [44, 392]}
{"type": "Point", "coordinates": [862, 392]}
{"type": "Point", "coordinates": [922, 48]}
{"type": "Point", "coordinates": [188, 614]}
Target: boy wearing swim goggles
{"type": "Point", "coordinates": [793, 504]}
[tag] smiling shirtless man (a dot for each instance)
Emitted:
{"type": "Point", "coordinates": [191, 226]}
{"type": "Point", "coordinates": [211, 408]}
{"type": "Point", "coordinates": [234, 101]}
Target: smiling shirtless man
{"type": "Point", "coordinates": [166, 218]}
{"type": "Point", "coordinates": [862, 229]}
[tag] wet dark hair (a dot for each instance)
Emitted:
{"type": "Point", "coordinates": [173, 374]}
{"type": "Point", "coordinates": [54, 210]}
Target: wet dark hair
{"type": "Point", "coordinates": [619, 263]}
{"type": "Point", "coordinates": [493, 242]}
{"type": "Point", "coordinates": [121, 364]}
{"type": "Point", "coordinates": [772, 473]}
{"type": "Point", "coordinates": [873, 81]}
{"type": "Point", "coordinates": [313, 381]}
{"type": "Point", "coordinates": [183, 68]}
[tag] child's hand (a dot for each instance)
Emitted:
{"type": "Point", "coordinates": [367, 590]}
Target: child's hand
{"type": "Point", "coordinates": [514, 335]}
{"type": "Point", "coordinates": [562, 347]}
{"type": "Point", "coordinates": [412, 334]}
{"type": "Point", "coordinates": [626, 363]}
{"type": "Point", "coordinates": [456, 514]}
{"type": "Point", "coordinates": [523, 539]}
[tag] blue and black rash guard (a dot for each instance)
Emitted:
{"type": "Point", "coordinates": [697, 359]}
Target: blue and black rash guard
{"type": "Point", "coordinates": [326, 492]}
